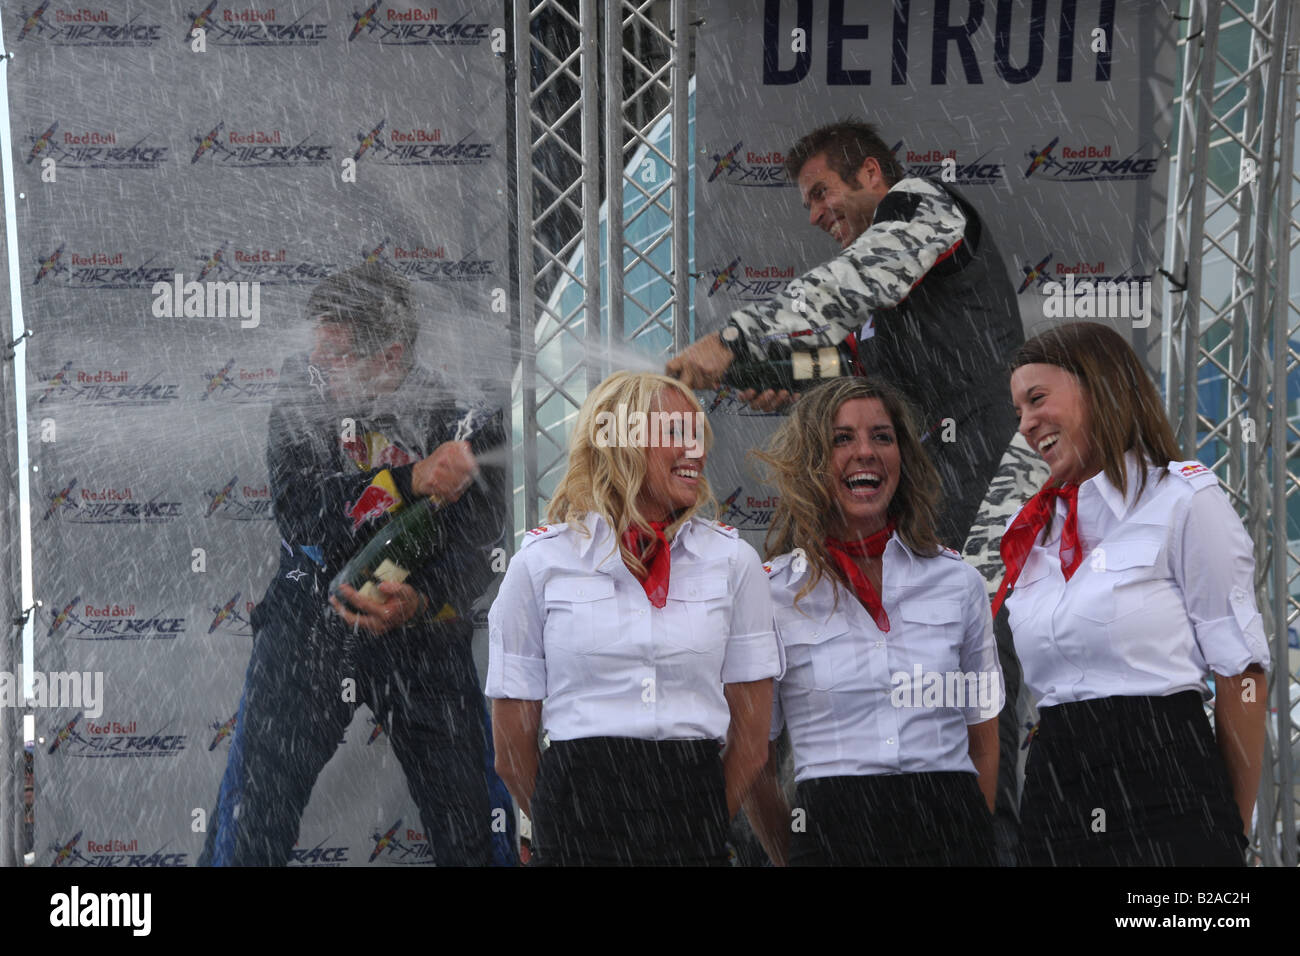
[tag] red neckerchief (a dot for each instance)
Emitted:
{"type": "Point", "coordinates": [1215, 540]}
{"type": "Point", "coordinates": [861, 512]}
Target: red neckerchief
{"type": "Point", "coordinates": [1019, 539]}
{"type": "Point", "coordinates": [652, 549]}
{"type": "Point", "coordinates": [843, 552]}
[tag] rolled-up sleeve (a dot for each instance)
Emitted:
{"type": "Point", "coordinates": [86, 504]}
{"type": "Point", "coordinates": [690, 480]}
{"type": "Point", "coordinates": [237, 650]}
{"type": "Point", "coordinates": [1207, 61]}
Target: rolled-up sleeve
{"type": "Point", "coordinates": [1214, 565]}
{"type": "Point", "coordinates": [516, 655]}
{"type": "Point", "coordinates": [979, 654]}
{"type": "Point", "coordinates": [752, 652]}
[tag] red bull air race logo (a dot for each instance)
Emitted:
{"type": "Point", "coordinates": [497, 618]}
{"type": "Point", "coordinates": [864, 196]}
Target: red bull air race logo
{"type": "Point", "coordinates": [84, 26]}
{"type": "Point", "coordinates": [111, 851]}
{"type": "Point", "coordinates": [104, 387]}
{"type": "Point", "coordinates": [113, 738]}
{"type": "Point", "coordinates": [236, 501]}
{"type": "Point", "coordinates": [1046, 276]}
{"type": "Point", "coordinates": [254, 147]}
{"type": "Point", "coordinates": [1088, 163]}
{"type": "Point", "coordinates": [747, 512]}
{"type": "Point", "coordinates": [402, 846]}
{"type": "Point", "coordinates": [109, 505]}
{"type": "Point", "coordinates": [418, 146]}
{"type": "Point", "coordinates": [946, 165]}
{"type": "Point", "coordinates": [244, 266]}
{"type": "Point", "coordinates": [236, 384]}
{"type": "Point", "coordinates": [81, 620]}
{"type": "Point", "coordinates": [429, 263]}
{"type": "Point", "coordinates": [389, 24]}
{"type": "Point", "coordinates": [1086, 290]}
{"type": "Point", "coordinates": [746, 167]}
{"type": "Point", "coordinates": [86, 271]}
{"type": "Point", "coordinates": [93, 149]}
{"type": "Point", "coordinates": [750, 283]}
{"type": "Point", "coordinates": [319, 855]}
{"type": "Point", "coordinates": [250, 26]}
{"type": "Point", "coordinates": [232, 619]}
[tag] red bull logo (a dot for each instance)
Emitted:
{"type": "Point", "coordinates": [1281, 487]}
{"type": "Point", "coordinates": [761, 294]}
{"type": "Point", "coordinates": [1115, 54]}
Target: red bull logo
{"type": "Point", "coordinates": [375, 502]}
{"type": "Point", "coordinates": [223, 730]}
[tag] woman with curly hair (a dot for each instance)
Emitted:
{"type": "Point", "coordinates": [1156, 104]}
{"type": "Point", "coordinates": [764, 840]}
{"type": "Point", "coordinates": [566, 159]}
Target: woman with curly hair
{"type": "Point", "coordinates": [892, 685]}
{"type": "Point", "coordinates": [638, 634]}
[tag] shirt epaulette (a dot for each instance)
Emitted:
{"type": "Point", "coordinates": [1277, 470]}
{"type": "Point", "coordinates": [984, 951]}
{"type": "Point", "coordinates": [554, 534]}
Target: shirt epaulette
{"type": "Point", "coordinates": [1194, 473]}
{"type": "Point", "coordinates": [777, 564]}
{"type": "Point", "coordinates": [545, 531]}
{"type": "Point", "coordinates": [724, 529]}
{"type": "Point", "coordinates": [950, 553]}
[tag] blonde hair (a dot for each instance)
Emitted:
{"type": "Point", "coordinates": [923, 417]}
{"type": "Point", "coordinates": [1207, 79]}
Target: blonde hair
{"type": "Point", "coordinates": [798, 457]}
{"type": "Point", "coordinates": [607, 477]}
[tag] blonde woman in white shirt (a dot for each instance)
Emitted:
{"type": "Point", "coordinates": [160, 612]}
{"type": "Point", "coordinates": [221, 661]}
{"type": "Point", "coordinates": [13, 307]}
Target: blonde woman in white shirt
{"type": "Point", "coordinates": [892, 685]}
{"type": "Point", "coordinates": [1133, 588]}
{"type": "Point", "coordinates": [638, 634]}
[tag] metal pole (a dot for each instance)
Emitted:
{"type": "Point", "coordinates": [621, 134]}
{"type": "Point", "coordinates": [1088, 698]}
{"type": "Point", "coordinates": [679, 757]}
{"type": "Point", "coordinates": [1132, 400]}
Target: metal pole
{"type": "Point", "coordinates": [1259, 381]}
{"type": "Point", "coordinates": [527, 289]}
{"type": "Point", "coordinates": [681, 192]}
{"type": "Point", "coordinates": [1286, 51]}
{"type": "Point", "coordinates": [1171, 321]}
{"type": "Point", "coordinates": [589, 37]}
{"type": "Point", "coordinates": [1191, 331]}
{"type": "Point", "coordinates": [614, 225]}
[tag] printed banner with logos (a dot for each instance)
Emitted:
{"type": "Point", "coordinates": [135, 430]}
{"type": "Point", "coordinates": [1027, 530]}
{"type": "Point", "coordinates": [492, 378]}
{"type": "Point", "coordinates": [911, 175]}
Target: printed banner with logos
{"type": "Point", "coordinates": [1052, 117]}
{"type": "Point", "coordinates": [161, 145]}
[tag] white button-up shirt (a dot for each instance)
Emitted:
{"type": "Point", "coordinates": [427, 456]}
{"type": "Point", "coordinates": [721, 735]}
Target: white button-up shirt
{"type": "Point", "coordinates": [861, 701]}
{"type": "Point", "coordinates": [1164, 595]}
{"type": "Point", "coordinates": [573, 627]}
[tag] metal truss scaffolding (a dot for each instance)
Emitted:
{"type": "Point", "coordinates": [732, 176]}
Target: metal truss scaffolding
{"type": "Point", "coordinates": [1231, 337]}
{"type": "Point", "coordinates": [593, 81]}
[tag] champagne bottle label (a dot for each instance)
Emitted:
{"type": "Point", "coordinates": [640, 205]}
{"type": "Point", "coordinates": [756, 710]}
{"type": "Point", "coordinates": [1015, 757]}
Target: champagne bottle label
{"type": "Point", "coordinates": [815, 364]}
{"type": "Point", "coordinates": [387, 571]}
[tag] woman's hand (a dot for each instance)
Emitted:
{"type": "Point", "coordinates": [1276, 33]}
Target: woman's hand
{"type": "Point", "coordinates": [1240, 708]}
{"type": "Point", "coordinates": [515, 724]}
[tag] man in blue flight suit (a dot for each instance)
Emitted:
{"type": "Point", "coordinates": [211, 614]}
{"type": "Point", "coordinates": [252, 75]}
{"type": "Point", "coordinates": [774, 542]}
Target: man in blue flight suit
{"type": "Point", "coordinates": [358, 430]}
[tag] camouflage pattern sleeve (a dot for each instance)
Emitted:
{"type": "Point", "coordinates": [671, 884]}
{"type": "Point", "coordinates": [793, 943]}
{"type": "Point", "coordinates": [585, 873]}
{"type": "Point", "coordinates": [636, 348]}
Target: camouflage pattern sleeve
{"type": "Point", "coordinates": [916, 225]}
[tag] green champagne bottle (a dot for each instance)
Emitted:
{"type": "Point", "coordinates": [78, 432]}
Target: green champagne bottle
{"type": "Point", "coordinates": [415, 535]}
{"type": "Point", "coordinates": [798, 372]}
{"type": "Point", "coordinates": [411, 539]}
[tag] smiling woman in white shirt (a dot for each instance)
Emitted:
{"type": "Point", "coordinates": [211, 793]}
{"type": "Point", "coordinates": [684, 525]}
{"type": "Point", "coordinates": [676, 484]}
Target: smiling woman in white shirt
{"type": "Point", "coordinates": [1133, 588]}
{"type": "Point", "coordinates": [892, 685]}
{"type": "Point", "coordinates": [638, 634]}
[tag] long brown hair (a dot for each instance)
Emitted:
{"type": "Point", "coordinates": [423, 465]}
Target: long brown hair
{"type": "Point", "coordinates": [797, 460]}
{"type": "Point", "coordinates": [606, 477]}
{"type": "Point", "coordinates": [1123, 404]}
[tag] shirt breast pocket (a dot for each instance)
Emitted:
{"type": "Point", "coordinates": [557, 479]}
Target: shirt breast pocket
{"type": "Point", "coordinates": [581, 614]}
{"type": "Point", "coordinates": [1117, 581]}
{"type": "Point", "coordinates": [699, 612]}
{"type": "Point", "coordinates": [819, 654]}
{"type": "Point", "coordinates": [934, 633]}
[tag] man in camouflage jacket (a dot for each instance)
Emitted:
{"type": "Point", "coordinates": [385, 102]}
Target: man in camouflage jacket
{"type": "Point", "coordinates": [921, 286]}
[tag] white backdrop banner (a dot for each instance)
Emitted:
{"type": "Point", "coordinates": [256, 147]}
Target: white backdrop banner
{"type": "Point", "coordinates": [268, 145]}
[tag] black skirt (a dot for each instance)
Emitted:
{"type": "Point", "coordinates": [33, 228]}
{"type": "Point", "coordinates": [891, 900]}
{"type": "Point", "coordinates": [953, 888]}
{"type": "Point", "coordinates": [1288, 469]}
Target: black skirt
{"type": "Point", "coordinates": [1128, 781]}
{"type": "Point", "coordinates": [908, 819]}
{"type": "Point", "coordinates": [619, 801]}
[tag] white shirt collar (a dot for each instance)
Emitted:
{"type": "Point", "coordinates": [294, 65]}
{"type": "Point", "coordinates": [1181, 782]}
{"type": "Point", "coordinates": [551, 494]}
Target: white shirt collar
{"type": "Point", "coordinates": [1120, 503]}
{"type": "Point", "coordinates": [602, 534]}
